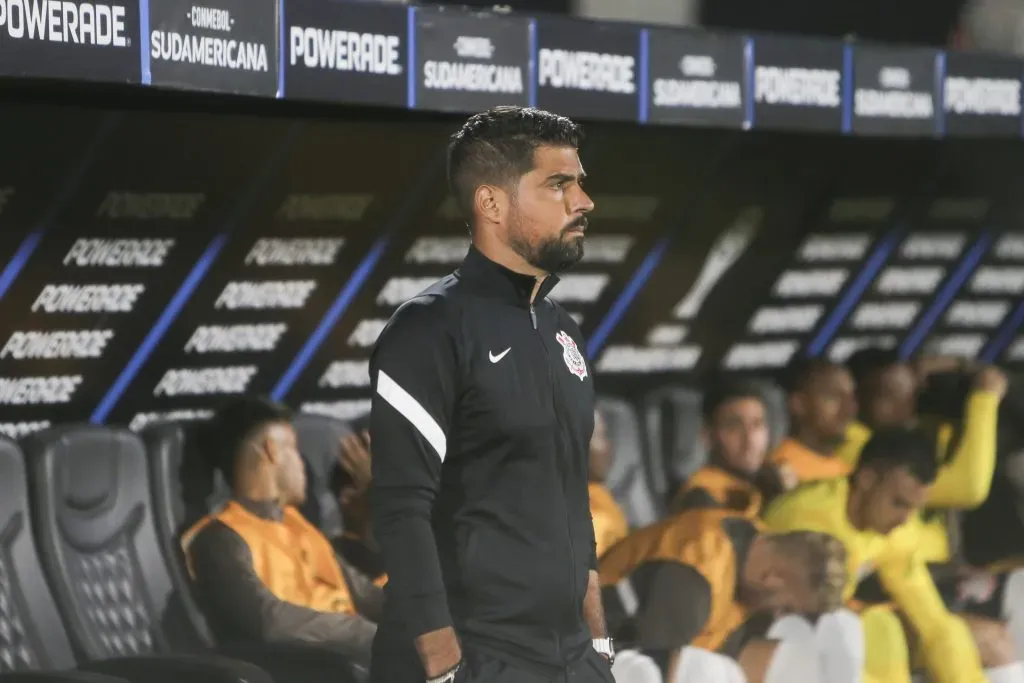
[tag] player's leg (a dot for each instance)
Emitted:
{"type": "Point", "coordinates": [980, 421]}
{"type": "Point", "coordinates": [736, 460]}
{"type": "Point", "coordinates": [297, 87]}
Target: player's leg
{"type": "Point", "coordinates": [886, 654]}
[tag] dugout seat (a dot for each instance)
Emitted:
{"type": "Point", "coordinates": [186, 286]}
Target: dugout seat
{"type": "Point", "coordinates": [672, 417]}
{"type": "Point", "coordinates": [320, 444]}
{"type": "Point", "coordinates": [627, 478]}
{"type": "Point", "coordinates": [104, 623]}
{"type": "Point", "coordinates": [184, 489]}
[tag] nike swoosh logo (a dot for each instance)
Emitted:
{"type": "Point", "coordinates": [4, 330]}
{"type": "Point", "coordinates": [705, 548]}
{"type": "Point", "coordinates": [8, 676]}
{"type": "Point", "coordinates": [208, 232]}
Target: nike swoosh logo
{"type": "Point", "coordinates": [495, 359]}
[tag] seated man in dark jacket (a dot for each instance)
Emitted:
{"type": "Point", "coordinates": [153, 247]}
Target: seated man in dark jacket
{"type": "Point", "coordinates": [261, 572]}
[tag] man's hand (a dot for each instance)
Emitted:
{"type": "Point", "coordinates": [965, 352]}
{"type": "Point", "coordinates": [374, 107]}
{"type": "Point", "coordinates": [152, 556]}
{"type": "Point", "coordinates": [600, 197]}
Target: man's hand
{"type": "Point", "coordinates": [355, 459]}
{"type": "Point", "coordinates": [439, 651]}
{"type": "Point", "coordinates": [991, 379]}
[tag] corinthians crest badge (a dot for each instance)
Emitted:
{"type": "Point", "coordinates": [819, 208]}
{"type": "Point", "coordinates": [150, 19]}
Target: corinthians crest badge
{"type": "Point", "coordinates": [571, 355]}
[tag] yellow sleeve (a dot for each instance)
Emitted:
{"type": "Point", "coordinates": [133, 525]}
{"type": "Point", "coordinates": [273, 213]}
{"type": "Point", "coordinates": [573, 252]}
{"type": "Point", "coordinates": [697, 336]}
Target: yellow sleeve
{"type": "Point", "coordinates": [797, 511]}
{"type": "Point", "coordinates": [965, 480]}
{"type": "Point", "coordinates": [949, 651]}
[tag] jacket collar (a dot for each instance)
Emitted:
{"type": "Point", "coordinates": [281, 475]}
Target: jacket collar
{"type": "Point", "coordinates": [491, 279]}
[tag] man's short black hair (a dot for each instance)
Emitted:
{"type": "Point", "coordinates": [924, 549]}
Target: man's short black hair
{"type": "Point", "coordinates": [864, 364]}
{"type": "Point", "coordinates": [891, 448]}
{"type": "Point", "coordinates": [725, 390]}
{"type": "Point", "coordinates": [496, 147]}
{"type": "Point", "coordinates": [801, 371]}
{"type": "Point", "coordinates": [235, 423]}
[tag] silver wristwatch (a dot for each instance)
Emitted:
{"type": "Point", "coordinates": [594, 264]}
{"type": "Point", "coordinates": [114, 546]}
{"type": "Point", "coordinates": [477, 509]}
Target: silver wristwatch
{"type": "Point", "coordinates": [446, 677]}
{"type": "Point", "coordinates": [606, 647]}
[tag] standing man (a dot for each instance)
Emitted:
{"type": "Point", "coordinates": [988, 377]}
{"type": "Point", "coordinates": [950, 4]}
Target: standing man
{"type": "Point", "coordinates": [482, 415]}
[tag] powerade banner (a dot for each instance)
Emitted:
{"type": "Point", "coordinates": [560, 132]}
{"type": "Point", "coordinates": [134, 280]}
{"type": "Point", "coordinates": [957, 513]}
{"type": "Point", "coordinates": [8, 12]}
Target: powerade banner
{"type": "Point", "coordinates": [470, 61]}
{"type": "Point", "coordinates": [982, 95]}
{"type": "Point", "coordinates": [798, 84]}
{"type": "Point", "coordinates": [586, 69]}
{"type": "Point", "coordinates": [225, 45]}
{"type": "Point", "coordinates": [696, 78]}
{"type": "Point", "coordinates": [894, 91]}
{"type": "Point", "coordinates": [92, 41]}
{"type": "Point", "coordinates": [341, 52]}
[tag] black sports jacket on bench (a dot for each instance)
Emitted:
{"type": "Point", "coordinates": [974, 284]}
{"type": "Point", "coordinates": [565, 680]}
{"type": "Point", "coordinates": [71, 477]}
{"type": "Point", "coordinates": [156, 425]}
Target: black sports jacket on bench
{"type": "Point", "coordinates": [483, 409]}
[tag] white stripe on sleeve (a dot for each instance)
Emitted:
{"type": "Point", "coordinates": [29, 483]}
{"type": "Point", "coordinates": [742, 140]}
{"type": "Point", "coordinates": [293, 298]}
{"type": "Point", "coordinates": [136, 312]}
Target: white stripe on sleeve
{"type": "Point", "coordinates": [409, 408]}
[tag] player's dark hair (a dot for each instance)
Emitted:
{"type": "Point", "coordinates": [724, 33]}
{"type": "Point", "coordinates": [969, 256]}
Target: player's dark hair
{"type": "Point", "coordinates": [891, 448]}
{"type": "Point", "coordinates": [726, 390]}
{"type": "Point", "coordinates": [235, 424]}
{"type": "Point", "coordinates": [496, 147]}
{"type": "Point", "coordinates": [801, 371]}
{"type": "Point", "coordinates": [867, 366]}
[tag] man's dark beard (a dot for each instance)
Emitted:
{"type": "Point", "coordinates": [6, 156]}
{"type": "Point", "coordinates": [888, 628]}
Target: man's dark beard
{"type": "Point", "coordinates": [556, 254]}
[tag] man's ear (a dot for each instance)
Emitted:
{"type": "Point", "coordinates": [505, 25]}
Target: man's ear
{"type": "Point", "coordinates": [490, 202]}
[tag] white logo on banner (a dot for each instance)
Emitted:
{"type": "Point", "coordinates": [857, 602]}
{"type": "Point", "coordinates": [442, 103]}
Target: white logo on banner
{"type": "Point", "coordinates": [960, 345]}
{"type": "Point", "coordinates": [746, 356]}
{"type": "Point", "coordinates": [596, 71]}
{"type": "Point", "coordinates": [57, 344]}
{"type": "Point", "coordinates": [1010, 247]}
{"type": "Point", "coordinates": [1016, 350]}
{"type": "Point", "coordinates": [797, 284]}
{"type": "Point", "coordinates": [264, 295]}
{"type": "Point", "coordinates": [642, 360]}
{"type": "Point", "coordinates": [473, 77]}
{"type": "Point", "coordinates": [443, 250]}
{"type": "Point", "coordinates": [218, 51]}
{"type": "Point", "coordinates": [910, 280]}
{"type": "Point", "coordinates": [398, 290]}
{"type": "Point", "coordinates": [328, 206]}
{"type": "Point", "coordinates": [776, 319]}
{"type": "Point", "coordinates": [294, 252]}
{"type": "Point", "coordinates": [16, 430]}
{"type": "Point", "coordinates": [998, 280]}
{"type": "Point", "coordinates": [366, 332]}
{"type": "Point", "coordinates": [579, 288]}
{"type": "Point", "coordinates": [844, 347]}
{"type": "Point", "coordinates": [32, 391]}
{"type": "Point", "coordinates": [920, 247]}
{"type": "Point", "coordinates": [117, 253]}
{"type": "Point", "coordinates": [697, 88]}
{"type": "Point", "coordinates": [726, 250]}
{"type": "Point", "coordinates": [797, 86]}
{"type": "Point", "coordinates": [88, 298]}
{"type": "Point", "coordinates": [205, 381]}
{"type": "Point", "coordinates": [62, 21]}
{"type": "Point", "coordinates": [985, 314]}
{"type": "Point", "coordinates": [235, 338]}
{"type": "Point", "coordinates": [888, 315]}
{"type": "Point", "coordinates": [341, 410]}
{"type": "Point", "coordinates": [894, 99]}
{"type": "Point", "coordinates": [150, 206]}
{"type": "Point", "coordinates": [141, 420]}
{"type": "Point", "coordinates": [346, 373]}
{"type": "Point", "coordinates": [667, 335]}
{"type": "Point", "coordinates": [607, 248]}
{"type": "Point", "coordinates": [982, 96]}
{"type": "Point", "coordinates": [368, 53]}
{"type": "Point", "coordinates": [834, 247]}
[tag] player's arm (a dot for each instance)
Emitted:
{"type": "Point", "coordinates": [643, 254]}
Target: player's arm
{"type": "Point", "coordinates": [676, 611]}
{"type": "Point", "coordinates": [965, 481]}
{"type": "Point", "coordinates": [414, 372]}
{"type": "Point", "coordinates": [946, 643]}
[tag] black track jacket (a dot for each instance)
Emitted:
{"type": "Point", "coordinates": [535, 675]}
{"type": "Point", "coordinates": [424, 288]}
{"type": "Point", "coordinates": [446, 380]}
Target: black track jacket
{"type": "Point", "coordinates": [483, 409]}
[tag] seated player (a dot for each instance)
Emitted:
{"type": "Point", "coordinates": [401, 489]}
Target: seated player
{"type": "Point", "coordinates": [610, 524]}
{"type": "Point", "coordinates": [686, 593]}
{"type": "Point", "coordinates": [873, 513]}
{"type": "Point", "coordinates": [261, 572]}
{"type": "Point", "coordinates": [736, 437]}
{"type": "Point", "coordinates": [822, 405]}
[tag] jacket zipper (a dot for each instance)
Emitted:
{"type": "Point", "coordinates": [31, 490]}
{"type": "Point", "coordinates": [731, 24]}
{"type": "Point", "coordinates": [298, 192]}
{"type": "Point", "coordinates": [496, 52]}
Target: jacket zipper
{"type": "Point", "coordinates": [562, 470]}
